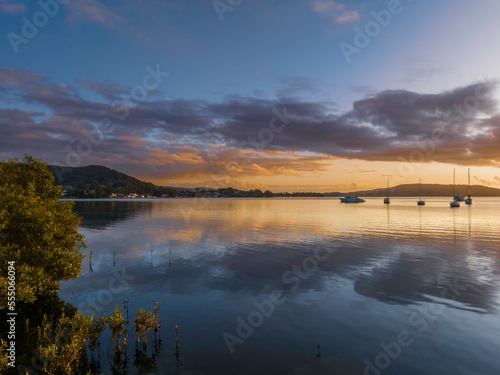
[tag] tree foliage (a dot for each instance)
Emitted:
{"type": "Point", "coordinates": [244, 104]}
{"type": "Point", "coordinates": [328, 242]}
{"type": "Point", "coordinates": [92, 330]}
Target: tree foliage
{"type": "Point", "coordinates": [37, 231]}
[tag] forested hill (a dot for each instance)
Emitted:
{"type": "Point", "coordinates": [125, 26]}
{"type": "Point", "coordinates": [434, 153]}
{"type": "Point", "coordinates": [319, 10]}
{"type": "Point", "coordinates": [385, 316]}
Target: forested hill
{"type": "Point", "coordinates": [95, 181]}
{"type": "Point", "coordinates": [102, 181]}
{"type": "Point", "coordinates": [91, 174]}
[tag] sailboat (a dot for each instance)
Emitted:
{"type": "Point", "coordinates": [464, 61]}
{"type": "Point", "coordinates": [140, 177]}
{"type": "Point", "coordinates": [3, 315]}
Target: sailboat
{"type": "Point", "coordinates": [455, 203]}
{"type": "Point", "coordinates": [386, 199]}
{"type": "Point", "coordinates": [420, 202]}
{"type": "Point", "coordinates": [469, 199]}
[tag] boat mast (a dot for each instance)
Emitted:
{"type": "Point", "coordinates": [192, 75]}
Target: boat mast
{"type": "Point", "coordinates": [453, 183]}
{"type": "Point", "coordinates": [468, 172]}
{"type": "Point", "coordinates": [387, 187]}
{"type": "Point", "coordinates": [420, 189]}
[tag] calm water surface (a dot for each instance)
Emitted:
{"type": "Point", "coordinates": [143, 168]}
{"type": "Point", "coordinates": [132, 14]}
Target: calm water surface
{"type": "Point", "coordinates": [256, 284]}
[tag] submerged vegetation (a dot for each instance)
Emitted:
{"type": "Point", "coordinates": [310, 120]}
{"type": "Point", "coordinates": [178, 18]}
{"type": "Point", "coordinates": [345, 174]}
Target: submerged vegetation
{"type": "Point", "coordinates": [39, 235]}
{"type": "Point", "coordinates": [145, 322]}
{"type": "Point", "coordinates": [72, 343]}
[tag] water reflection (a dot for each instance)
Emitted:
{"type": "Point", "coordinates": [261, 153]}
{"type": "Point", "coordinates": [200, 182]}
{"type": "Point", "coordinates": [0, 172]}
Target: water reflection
{"type": "Point", "coordinates": [98, 214]}
{"type": "Point", "coordinates": [208, 265]}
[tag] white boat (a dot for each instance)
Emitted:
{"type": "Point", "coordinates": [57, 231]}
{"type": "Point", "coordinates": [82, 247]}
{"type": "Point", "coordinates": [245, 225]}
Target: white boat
{"type": "Point", "coordinates": [386, 199]}
{"type": "Point", "coordinates": [469, 199]}
{"type": "Point", "coordinates": [455, 202]}
{"type": "Point", "coordinates": [420, 202]}
{"type": "Point", "coordinates": [351, 199]}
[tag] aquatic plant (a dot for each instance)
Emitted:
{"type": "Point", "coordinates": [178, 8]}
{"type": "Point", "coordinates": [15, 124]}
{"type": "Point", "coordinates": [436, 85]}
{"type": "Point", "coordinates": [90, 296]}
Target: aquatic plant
{"type": "Point", "coordinates": [3, 356]}
{"type": "Point", "coordinates": [146, 321]}
{"type": "Point", "coordinates": [145, 363]}
{"type": "Point", "coordinates": [118, 325]}
{"type": "Point", "coordinates": [96, 328]}
{"type": "Point", "coordinates": [61, 344]}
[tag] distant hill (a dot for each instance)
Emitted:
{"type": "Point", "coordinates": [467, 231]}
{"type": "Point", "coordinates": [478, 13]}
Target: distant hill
{"type": "Point", "coordinates": [96, 181]}
{"type": "Point", "coordinates": [92, 174]}
{"type": "Point", "coordinates": [429, 190]}
{"type": "Point", "coordinates": [103, 181]}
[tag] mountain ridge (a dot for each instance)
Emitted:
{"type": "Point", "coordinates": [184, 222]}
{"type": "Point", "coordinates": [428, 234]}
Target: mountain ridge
{"type": "Point", "coordinates": [98, 176]}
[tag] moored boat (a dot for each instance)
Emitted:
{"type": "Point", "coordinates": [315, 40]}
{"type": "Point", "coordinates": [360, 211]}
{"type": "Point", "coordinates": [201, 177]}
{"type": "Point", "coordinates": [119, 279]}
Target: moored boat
{"type": "Point", "coordinates": [351, 199]}
{"type": "Point", "coordinates": [420, 202]}
{"type": "Point", "coordinates": [469, 198]}
{"type": "Point", "coordinates": [456, 202]}
{"type": "Point", "coordinates": [387, 200]}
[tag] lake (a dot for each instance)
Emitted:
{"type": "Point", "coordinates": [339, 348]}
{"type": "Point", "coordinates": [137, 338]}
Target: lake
{"type": "Point", "coordinates": [255, 285]}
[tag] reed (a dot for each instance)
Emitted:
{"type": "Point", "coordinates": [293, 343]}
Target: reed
{"type": "Point", "coordinates": [61, 341]}
{"type": "Point", "coordinates": [145, 322]}
{"type": "Point", "coordinates": [118, 326]}
{"type": "Point", "coordinates": [96, 328]}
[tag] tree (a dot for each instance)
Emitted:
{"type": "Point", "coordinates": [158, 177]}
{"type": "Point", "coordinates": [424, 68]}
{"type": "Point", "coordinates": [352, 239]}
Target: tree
{"type": "Point", "coordinates": [37, 231]}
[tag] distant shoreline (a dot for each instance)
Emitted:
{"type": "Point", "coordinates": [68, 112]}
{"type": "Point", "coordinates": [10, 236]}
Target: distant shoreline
{"type": "Point", "coordinates": [257, 198]}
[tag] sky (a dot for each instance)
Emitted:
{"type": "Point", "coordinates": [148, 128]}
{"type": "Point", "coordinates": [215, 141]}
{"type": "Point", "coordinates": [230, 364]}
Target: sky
{"type": "Point", "coordinates": [296, 95]}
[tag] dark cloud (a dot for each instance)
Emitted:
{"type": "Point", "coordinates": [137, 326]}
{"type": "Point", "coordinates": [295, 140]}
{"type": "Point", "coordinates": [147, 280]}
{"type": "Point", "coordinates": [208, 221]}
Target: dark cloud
{"type": "Point", "coordinates": [257, 136]}
{"type": "Point", "coordinates": [459, 126]}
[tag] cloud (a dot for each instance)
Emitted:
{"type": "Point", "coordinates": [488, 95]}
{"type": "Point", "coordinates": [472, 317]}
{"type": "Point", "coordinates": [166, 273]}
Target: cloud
{"type": "Point", "coordinates": [183, 139]}
{"type": "Point", "coordinates": [107, 90]}
{"type": "Point", "coordinates": [230, 164]}
{"type": "Point", "coordinates": [362, 171]}
{"type": "Point", "coordinates": [9, 7]}
{"type": "Point", "coordinates": [495, 181]}
{"type": "Point", "coordinates": [456, 126]}
{"type": "Point", "coordinates": [94, 12]}
{"type": "Point", "coordinates": [347, 17]}
{"type": "Point", "coordinates": [15, 78]}
{"type": "Point", "coordinates": [336, 11]}
{"type": "Point", "coordinates": [415, 74]}
{"type": "Point", "coordinates": [294, 86]}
